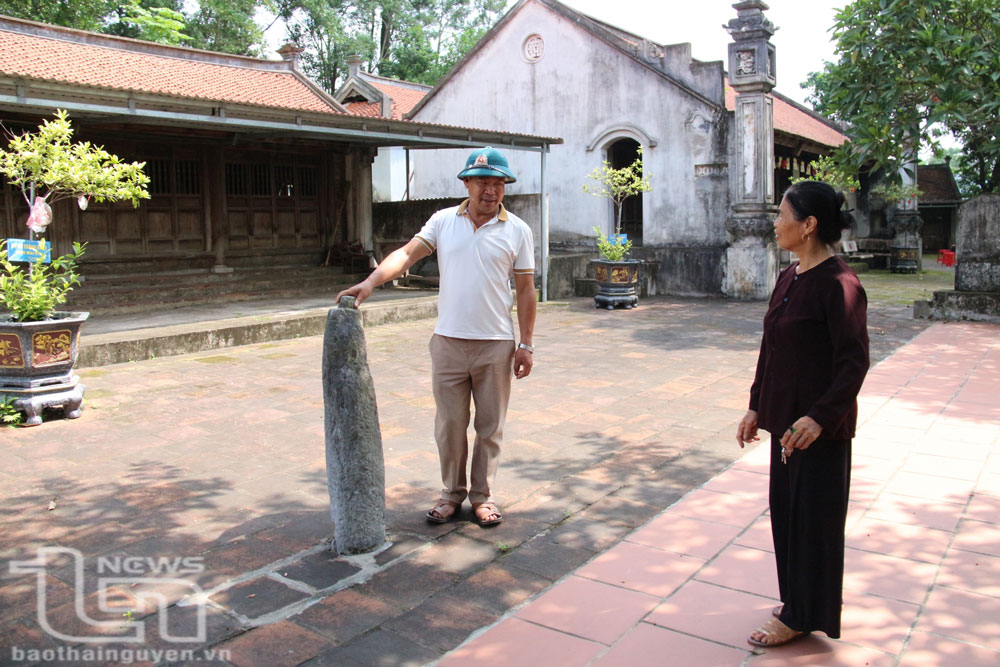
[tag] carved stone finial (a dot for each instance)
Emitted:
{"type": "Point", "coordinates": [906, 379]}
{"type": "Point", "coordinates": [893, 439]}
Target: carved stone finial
{"type": "Point", "coordinates": [346, 302]}
{"type": "Point", "coordinates": [750, 22]}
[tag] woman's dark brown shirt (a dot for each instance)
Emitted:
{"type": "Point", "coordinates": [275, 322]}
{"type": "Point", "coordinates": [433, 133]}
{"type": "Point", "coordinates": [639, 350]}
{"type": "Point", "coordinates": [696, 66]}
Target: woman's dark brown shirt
{"type": "Point", "coordinates": [814, 352]}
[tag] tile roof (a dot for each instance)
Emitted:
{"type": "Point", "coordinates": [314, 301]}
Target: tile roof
{"type": "Point", "coordinates": [404, 98]}
{"type": "Point", "coordinates": [184, 73]}
{"type": "Point", "coordinates": [790, 118]}
{"type": "Point", "coordinates": [369, 109]}
{"type": "Point", "coordinates": [937, 184]}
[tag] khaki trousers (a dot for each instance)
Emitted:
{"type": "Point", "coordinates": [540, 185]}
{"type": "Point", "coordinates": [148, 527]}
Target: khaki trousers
{"type": "Point", "coordinates": [480, 370]}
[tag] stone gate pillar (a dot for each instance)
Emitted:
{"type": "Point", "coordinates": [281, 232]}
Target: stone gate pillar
{"type": "Point", "coordinates": [752, 256]}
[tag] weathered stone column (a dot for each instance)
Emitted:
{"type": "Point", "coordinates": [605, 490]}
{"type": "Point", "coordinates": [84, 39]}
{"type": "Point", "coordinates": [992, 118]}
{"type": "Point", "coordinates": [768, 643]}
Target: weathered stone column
{"type": "Point", "coordinates": [977, 265]}
{"type": "Point", "coordinates": [355, 470]}
{"type": "Point", "coordinates": [752, 256]}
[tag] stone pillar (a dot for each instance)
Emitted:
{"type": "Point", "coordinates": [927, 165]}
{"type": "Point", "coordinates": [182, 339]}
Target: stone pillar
{"type": "Point", "coordinates": [977, 249]}
{"type": "Point", "coordinates": [977, 266]}
{"type": "Point", "coordinates": [355, 469]}
{"type": "Point", "coordinates": [752, 256]}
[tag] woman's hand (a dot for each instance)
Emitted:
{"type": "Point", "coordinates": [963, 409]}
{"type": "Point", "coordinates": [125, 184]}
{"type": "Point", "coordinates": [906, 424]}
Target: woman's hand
{"type": "Point", "coordinates": [801, 434]}
{"type": "Point", "coordinates": [746, 431]}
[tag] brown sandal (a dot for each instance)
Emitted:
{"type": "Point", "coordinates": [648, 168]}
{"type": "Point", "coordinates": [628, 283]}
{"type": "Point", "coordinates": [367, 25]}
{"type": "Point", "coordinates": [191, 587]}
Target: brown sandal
{"type": "Point", "coordinates": [781, 633]}
{"type": "Point", "coordinates": [485, 510]}
{"type": "Point", "coordinates": [435, 514]}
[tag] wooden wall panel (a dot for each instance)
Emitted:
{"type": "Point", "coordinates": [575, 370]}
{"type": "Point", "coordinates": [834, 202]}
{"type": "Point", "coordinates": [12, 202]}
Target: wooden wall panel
{"type": "Point", "coordinates": [158, 225]}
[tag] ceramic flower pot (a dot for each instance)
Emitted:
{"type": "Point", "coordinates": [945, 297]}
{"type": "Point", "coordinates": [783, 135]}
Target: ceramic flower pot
{"type": "Point", "coordinates": [617, 283]}
{"type": "Point", "coordinates": [36, 364]}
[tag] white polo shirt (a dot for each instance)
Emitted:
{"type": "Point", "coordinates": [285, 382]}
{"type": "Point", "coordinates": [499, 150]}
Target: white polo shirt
{"type": "Point", "coordinates": [476, 267]}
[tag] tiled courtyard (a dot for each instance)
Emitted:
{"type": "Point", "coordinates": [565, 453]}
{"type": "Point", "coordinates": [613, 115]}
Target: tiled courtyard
{"type": "Point", "coordinates": [635, 532]}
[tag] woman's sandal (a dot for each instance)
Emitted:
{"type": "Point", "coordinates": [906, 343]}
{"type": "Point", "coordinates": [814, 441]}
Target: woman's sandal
{"type": "Point", "coordinates": [487, 514]}
{"type": "Point", "coordinates": [776, 612]}
{"type": "Point", "coordinates": [775, 633]}
{"type": "Point", "coordinates": [435, 514]}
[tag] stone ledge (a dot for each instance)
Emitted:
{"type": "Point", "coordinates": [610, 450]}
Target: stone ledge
{"type": "Point", "coordinates": [141, 344]}
{"type": "Point", "coordinates": [972, 306]}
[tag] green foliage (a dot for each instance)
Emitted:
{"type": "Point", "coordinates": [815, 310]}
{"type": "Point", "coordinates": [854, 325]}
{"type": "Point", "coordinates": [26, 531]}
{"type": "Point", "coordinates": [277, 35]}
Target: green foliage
{"type": "Point", "coordinates": [153, 23]}
{"type": "Point", "coordinates": [609, 250]}
{"type": "Point", "coordinates": [48, 161]}
{"type": "Point", "coordinates": [80, 14]}
{"type": "Point", "coordinates": [617, 185]}
{"type": "Point", "coordinates": [330, 31]}
{"type": "Point", "coordinates": [227, 26]}
{"type": "Point", "coordinates": [414, 40]}
{"type": "Point", "coordinates": [153, 20]}
{"type": "Point", "coordinates": [908, 69]}
{"type": "Point", "coordinates": [834, 173]}
{"type": "Point", "coordinates": [9, 415]}
{"type": "Point", "coordinates": [34, 293]}
{"type": "Point", "coordinates": [895, 192]}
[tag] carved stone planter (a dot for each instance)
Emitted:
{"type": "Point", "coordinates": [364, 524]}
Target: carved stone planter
{"type": "Point", "coordinates": [617, 283]}
{"type": "Point", "coordinates": [36, 364]}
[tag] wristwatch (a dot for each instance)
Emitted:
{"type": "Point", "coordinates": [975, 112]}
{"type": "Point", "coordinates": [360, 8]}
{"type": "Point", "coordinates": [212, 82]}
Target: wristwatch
{"type": "Point", "coordinates": [525, 346]}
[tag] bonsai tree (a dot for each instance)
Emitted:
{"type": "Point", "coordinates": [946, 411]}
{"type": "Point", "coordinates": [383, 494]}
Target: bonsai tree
{"type": "Point", "coordinates": [47, 167]}
{"type": "Point", "coordinates": [617, 185]}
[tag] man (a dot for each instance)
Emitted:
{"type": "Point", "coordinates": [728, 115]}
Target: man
{"type": "Point", "coordinates": [479, 246]}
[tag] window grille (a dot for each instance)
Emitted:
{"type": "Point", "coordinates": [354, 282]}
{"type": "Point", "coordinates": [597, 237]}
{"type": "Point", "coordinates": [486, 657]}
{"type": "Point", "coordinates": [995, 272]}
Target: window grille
{"type": "Point", "coordinates": [236, 180]}
{"type": "Point", "coordinates": [307, 181]}
{"type": "Point", "coordinates": [260, 180]}
{"type": "Point", "coordinates": [285, 178]}
{"type": "Point", "coordinates": [188, 174]}
{"type": "Point", "coordinates": [159, 177]}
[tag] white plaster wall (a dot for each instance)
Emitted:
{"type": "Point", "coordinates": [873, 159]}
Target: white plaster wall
{"type": "Point", "coordinates": [581, 89]}
{"type": "Point", "coordinates": [389, 174]}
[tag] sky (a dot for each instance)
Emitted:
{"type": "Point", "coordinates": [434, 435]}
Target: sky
{"type": "Point", "coordinates": [801, 43]}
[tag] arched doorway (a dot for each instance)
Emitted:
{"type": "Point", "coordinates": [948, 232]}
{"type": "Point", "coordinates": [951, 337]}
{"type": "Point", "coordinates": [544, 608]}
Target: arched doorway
{"type": "Point", "coordinates": [622, 153]}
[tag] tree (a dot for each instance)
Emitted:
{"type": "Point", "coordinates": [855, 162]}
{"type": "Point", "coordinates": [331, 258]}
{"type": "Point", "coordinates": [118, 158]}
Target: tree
{"type": "Point", "coordinates": [617, 185]}
{"type": "Point", "coordinates": [415, 40]}
{"type": "Point", "coordinates": [438, 35]}
{"type": "Point", "coordinates": [910, 70]}
{"type": "Point", "coordinates": [227, 26]}
{"type": "Point", "coordinates": [152, 20]}
{"type": "Point", "coordinates": [80, 14]}
{"type": "Point", "coordinates": [329, 31]}
{"type": "Point", "coordinates": [46, 167]}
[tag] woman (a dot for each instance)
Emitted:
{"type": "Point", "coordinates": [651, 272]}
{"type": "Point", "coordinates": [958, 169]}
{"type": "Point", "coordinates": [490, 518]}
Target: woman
{"type": "Point", "coordinates": [813, 359]}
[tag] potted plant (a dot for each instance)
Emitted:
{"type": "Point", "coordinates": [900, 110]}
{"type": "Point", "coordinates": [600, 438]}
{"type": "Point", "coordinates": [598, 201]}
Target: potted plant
{"type": "Point", "coordinates": [38, 344]}
{"type": "Point", "coordinates": [617, 277]}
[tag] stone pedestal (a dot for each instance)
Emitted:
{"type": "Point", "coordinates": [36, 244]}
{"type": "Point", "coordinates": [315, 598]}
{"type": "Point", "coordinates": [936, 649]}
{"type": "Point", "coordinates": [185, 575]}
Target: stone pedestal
{"type": "Point", "coordinates": [977, 264]}
{"type": "Point", "coordinates": [752, 256]}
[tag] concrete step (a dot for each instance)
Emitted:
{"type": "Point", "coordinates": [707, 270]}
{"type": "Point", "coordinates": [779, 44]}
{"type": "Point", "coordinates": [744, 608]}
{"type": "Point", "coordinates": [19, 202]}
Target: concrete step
{"type": "Point", "coordinates": [129, 294]}
{"type": "Point", "coordinates": [101, 346]}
